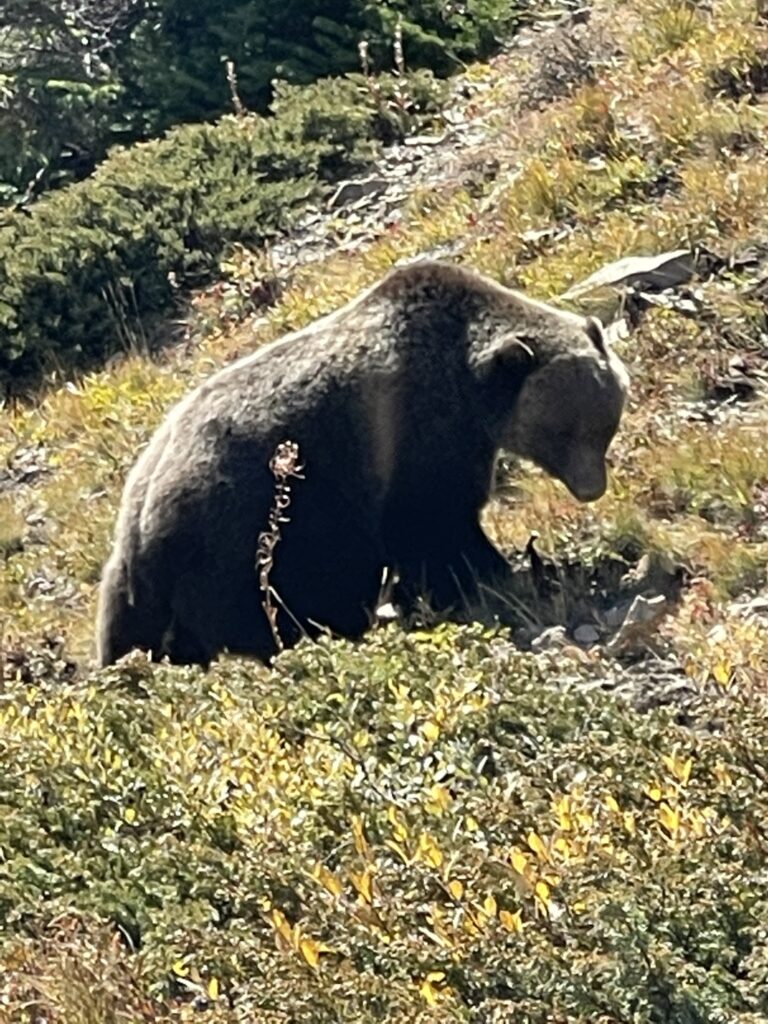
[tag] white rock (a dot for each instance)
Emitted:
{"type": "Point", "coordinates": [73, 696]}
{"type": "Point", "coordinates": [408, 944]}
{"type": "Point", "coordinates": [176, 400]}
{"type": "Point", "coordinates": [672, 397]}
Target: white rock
{"type": "Point", "coordinates": [639, 625]}
{"type": "Point", "coordinates": [551, 639]}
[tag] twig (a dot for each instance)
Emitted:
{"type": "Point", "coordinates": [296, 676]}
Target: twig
{"type": "Point", "coordinates": [284, 465]}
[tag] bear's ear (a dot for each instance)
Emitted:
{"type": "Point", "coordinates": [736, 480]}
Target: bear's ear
{"type": "Point", "coordinates": [516, 350]}
{"type": "Point", "coordinates": [511, 352]}
{"type": "Point", "coordinates": [594, 331]}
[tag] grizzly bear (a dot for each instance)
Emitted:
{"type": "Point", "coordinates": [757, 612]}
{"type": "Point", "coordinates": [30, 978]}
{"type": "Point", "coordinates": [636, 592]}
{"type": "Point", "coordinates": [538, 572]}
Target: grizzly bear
{"type": "Point", "coordinates": [399, 403]}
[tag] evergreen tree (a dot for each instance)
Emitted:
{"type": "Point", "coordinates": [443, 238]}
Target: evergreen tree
{"type": "Point", "coordinates": [174, 63]}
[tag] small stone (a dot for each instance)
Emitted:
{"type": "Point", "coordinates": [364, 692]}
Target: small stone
{"type": "Point", "coordinates": [614, 617]}
{"type": "Point", "coordinates": [586, 635]}
{"type": "Point", "coordinates": [354, 190]}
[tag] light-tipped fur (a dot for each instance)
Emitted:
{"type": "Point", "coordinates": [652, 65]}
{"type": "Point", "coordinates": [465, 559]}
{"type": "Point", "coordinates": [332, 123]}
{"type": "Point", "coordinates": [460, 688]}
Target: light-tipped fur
{"type": "Point", "coordinates": [399, 403]}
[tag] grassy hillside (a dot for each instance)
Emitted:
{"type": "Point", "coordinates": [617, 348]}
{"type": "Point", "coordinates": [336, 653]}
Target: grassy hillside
{"type": "Point", "coordinates": [437, 824]}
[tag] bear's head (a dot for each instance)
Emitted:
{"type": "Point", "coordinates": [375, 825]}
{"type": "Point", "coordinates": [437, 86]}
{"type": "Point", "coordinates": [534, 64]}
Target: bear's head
{"type": "Point", "coordinates": [569, 406]}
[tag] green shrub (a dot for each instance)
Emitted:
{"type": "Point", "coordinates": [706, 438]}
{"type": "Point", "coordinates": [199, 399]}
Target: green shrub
{"type": "Point", "coordinates": [87, 270]}
{"type": "Point", "coordinates": [421, 821]}
{"type": "Point", "coordinates": [84, 271]}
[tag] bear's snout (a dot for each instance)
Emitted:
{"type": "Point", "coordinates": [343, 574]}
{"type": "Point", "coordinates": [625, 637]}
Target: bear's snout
{"type": "Point", "coordinates": [587, 492]}
{"type": "Point", "coordinates": [586, 483]}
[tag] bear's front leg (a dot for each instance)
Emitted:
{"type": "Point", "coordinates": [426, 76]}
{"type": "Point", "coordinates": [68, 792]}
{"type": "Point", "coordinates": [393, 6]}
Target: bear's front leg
{"type": "Point", "coordinates": [450, 568]}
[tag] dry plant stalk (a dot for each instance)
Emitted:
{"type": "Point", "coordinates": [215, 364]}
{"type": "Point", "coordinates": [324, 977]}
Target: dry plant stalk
{"type": "Point", "coordinates": [397, 47]}
{"type": "Point", "coordinates": [237, 103]}
{"type": "Point", "coordinates": [401, 98]}
{"type": "Point", "coordinates": [283, 465]}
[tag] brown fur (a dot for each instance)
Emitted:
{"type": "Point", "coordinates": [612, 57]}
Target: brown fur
{"type": "Point", "coordinates": [399, 403]}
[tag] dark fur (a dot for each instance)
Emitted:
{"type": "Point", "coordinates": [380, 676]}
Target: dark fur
{"type": "Point", "coordinates": [399, 403]}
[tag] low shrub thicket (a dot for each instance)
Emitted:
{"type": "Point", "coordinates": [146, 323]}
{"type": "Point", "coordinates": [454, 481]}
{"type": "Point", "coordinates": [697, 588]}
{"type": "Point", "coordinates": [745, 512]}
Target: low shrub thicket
{"type": "Point", "coordinates": [83, 272]}
{"type": "Point", "coordinates": [420, 827]}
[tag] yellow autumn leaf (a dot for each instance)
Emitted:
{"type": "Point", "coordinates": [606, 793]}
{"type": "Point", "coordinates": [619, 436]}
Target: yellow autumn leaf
{"type": "Point", "coordinates": [456, 888]}
{"type": "Point", "coordinates": [584, 820]}
{"type": "Point", "coordinates": [363, 883]}
{"type": "Point", "coordinates": [681, 769]}
{"type": "Point", "coordinates": [563, 808]}
{"type": "Point", "coordinates": [628, 820]}
{"type": "Point", "coordinates": [399, 849]}
{"type": "Point", "coordinates": [310, 950]}
{"type": "Point", "coordinates": [430, 730]}
{"type": "Point", "coordinates": [429, 989]}
{"type": "Point", "coordinates": [669, 818]}
{"type": "Point", "coordinates": [328, 880]}
{"type": "Point", "coordinates": [563, 847]}
{"type": "Point", "coordinates": [519, 861]}
{"type": "Point", "coordinates": [542, 892]}
{"type": "Point", "coordinates": [489, 905]}
{"type": "Point", "coordinates": [439, 799]}
{"type": "Point", "coordinates": [398, 827]}
{"type": "Point", "coordinates": [536, 844]}
{"type": "Point", "coordinates": [511, 920]}
{"type": "Point", "coordinates": [281, 926]}
{"type": "Point", "coordinates": [361, 844]}
{"type": "Point", "coordinates": [471, 824]}
{"type": "Point", "coordinates": [213, 989]}
{"type": "Point", "coordinates": [180, 968]}
{"type": "Point", "coordinates": [654, 792]}
{"type": "Point", "coordinates": [470, 926]}
{"type": "Point", "coordinates": [130, 815]}
{"type": "Point", "coordinates": [429, 851]}
{"type": "Point", "coordinates": [722, 673]}
{"type": "Point", "coordinates": [611, 803]}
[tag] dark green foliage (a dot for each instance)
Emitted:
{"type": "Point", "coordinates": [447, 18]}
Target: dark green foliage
{"type": "Point", "coordinates": [60, 95]}
{"type": "Point", "coordinates": [441, 35]}
{"type": "Point", "coordinates": [85, 268]}
{"type": "Point", "coordinates": [84, 271]}
{"type": "Point", "coordinates": [79, 75]}
{"type": "Point", "coordinates": [342, 120]}
{"type": "Point", "coordinates": [173, 64]}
